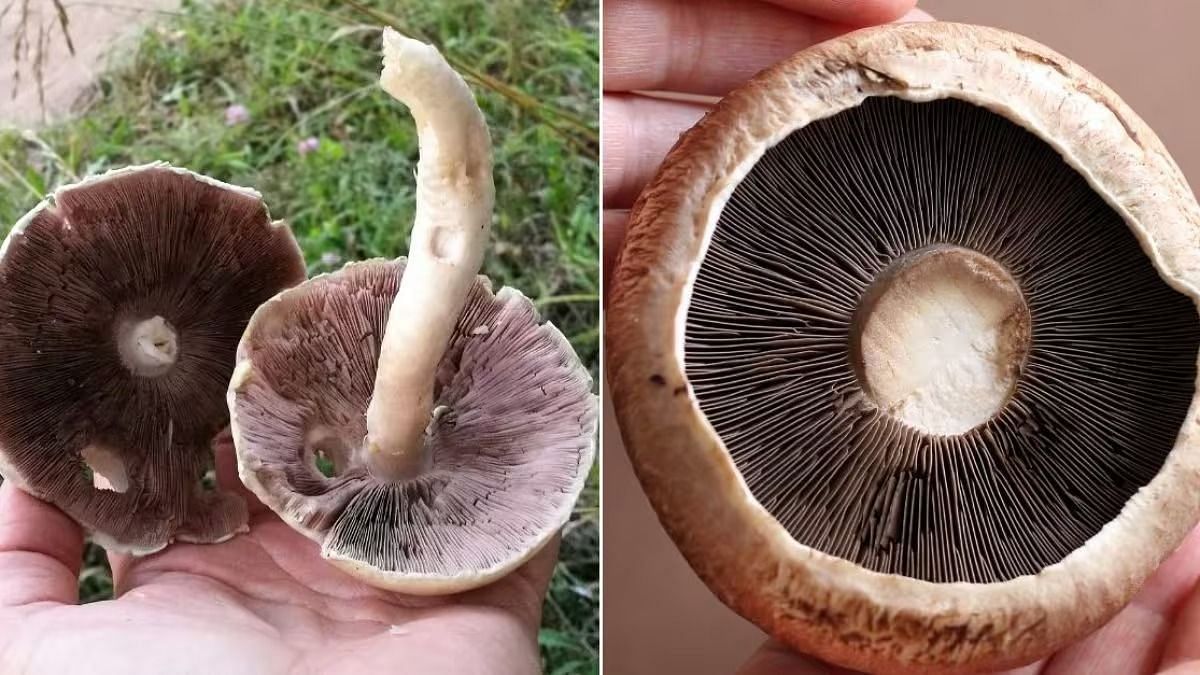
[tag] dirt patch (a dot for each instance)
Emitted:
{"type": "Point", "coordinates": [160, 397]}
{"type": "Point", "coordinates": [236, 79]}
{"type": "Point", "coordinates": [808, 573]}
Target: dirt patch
{"type": "Point", "coordinates": [31, 27]}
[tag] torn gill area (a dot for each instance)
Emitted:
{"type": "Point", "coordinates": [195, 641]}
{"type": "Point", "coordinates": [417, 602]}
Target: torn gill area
{"type": "Point", "coordinates": [931, 348]}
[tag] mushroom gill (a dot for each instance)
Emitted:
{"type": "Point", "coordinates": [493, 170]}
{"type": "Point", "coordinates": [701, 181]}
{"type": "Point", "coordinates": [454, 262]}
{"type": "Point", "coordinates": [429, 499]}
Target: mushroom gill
{"type": "Point", "coordinates": [461, 428]}
{"type": "Point", "coordinates": [122, 299]}
{"type": "Point", "coordinates": [928, 435]}
{"type": "Point", "coordinates": [507, 450]}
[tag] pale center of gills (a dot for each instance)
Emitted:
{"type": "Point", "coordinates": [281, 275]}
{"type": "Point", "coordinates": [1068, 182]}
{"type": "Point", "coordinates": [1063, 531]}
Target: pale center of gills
{"type": "Point", "coordinates": [148, 347]}
{"type": "Point", "coordinates": [940, 339]}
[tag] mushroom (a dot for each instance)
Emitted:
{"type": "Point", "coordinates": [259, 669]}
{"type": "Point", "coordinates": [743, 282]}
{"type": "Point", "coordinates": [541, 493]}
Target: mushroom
{"type": "Point", "coordinates": [459, 427]}
{"type": "Point", "coordinates": [902, 346]}
{"type": "Point", "coordinates": [122, 299]}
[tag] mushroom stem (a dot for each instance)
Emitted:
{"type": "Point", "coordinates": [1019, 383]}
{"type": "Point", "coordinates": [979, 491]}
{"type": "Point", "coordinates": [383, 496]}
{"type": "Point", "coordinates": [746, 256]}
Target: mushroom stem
{"type": "Point", "coordinates": [455, 195]}
{"type": "Point", "coordinates": [148, 347]}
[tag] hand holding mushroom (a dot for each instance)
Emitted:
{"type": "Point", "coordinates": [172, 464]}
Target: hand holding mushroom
{"type": "Point", "coordinates": [457, 458]}
{"type": "Point", "coordinates": [259, 604]}
{"type": "Point", "coordinates": [460, 428]}
{"type": "Point", "coordinates": [903, 347]}
{"type": "Point", "coordinates": [122, 304]}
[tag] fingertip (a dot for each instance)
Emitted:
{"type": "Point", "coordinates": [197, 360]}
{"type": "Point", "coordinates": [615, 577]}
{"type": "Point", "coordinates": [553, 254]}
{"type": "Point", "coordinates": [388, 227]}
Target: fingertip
{"type": "Point", "coordinates": [872, 12]}
{"type": "Point", "coordinates": [916, 15]}
{"type": "Point", "coordinates": [856, 13]}
{"type": "Point", "coordinates": [524, 590]}
{"type": "Point", "coordinates": [30, 524]}
{"type": "Point", "coordinates": [41, 550]}
{"type": "Point", "coordinates": [638, 132]}
{"type": "Point", "coordinates": [1183, 644]}
{"type": "Point", "coordinates": [775, 658]}
{"type": "Point", "coordinates": [536, 574]}
{"type": "Point", "coordinates": [540, 567]}
{"type": "Point", "coordinates": [1173, 579]}
{"type": "Point", "coordinates": [225, 463]}
{"type": "Point", "coordinates": [615, 222]}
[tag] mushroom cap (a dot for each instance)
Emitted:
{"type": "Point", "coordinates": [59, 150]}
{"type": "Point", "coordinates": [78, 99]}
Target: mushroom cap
{"type": "Point", "coordinates": [823, 604]}
{"type": "Point", "coordinates": [508, 452]}
{"type": "Point", "coordinates": [183, 258]}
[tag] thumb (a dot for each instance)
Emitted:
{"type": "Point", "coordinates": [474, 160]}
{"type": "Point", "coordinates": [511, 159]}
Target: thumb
{"type": "Point", "coordinates": [1182, 651]}
{"type": "Point", "coordinates": [41, 550]}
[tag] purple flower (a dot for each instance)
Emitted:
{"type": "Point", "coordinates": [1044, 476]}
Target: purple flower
{"type": "Point", "coordinates": [308, 145]}
{"type": "Point", "coordinates": [236, 114]}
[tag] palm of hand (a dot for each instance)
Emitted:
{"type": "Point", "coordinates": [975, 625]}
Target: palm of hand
{"type": "Point", "coordinates": [263, 602]}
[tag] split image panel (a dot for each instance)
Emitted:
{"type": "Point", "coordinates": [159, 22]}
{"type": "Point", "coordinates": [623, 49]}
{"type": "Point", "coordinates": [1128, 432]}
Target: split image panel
{"type": "Point", "coordinates": [634, 336]}
{"type": "Point", "coordinates": [900, 347]}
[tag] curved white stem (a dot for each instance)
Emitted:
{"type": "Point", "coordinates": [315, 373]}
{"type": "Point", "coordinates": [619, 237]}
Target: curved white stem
{"type": "Point", "coordinates": [455, 196]}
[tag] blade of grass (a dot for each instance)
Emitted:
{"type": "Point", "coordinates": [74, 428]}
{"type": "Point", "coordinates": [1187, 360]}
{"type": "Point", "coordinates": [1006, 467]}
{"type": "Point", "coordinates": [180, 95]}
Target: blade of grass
{"type": "Point", "coordinates": [12, 170]}
{"type": "Point", "coordinates": [504, 89]}
{"type": "Point", "coordinates": [562, 299]}
{"type": "Point", "coordinates": [578, 133]}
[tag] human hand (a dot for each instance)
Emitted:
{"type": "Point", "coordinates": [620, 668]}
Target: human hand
{"type": "Point", "coordinates": [1158, 632]}
{"type": "Point", "coordinates": [699, 49]}
{"type": "Point", "coordinates": [263, 603]}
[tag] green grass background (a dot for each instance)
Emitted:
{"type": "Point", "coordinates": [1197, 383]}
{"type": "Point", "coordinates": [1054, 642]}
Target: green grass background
{"type": "Point", "coordinates": [309, 69]}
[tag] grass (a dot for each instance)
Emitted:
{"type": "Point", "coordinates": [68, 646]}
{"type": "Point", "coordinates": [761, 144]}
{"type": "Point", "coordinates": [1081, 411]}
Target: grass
{"type": "Point", "coordinates": [307, 69]}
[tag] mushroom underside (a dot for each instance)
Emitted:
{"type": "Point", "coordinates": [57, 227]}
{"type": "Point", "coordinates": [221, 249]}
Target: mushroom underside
{"type": "Point", "coordinates": [945, 426]}
{"type": "Point", "coordinates": [123, 300]}
{"type": "Point", "coordinates": [507, 448]}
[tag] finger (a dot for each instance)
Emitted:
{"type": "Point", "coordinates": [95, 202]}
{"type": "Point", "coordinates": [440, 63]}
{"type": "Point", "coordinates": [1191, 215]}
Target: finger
{"type": "Point", "coordinates": [615, 222]}
{"type": "Point", "coordinates": [41, 551]}
{"type": "Point", "coordinates": [851, 12]}
{"type": "Point", "coordinates": [704, 47]}
{"type": "Point", "coordinates": [638, 132]}
{"type": "Point", "coordinates": [1133, 641]}
{"type": "Point", "coordinates": [1183, 644]}
{"type": "Point", "coordinates": [1031, 669]}
{"type": "Point", "coordinates": [524, 591]}
{"type": "Point", "coordinates": [774, 658]}
{"type": "Point", "coordinates": [226, 464]}
{"type": "Point", "coordinates": [226, 469]}
{"type": "Point", "coordinates": [1174, 579]}
{"type": "Point", "coordinates": [540, 567]}
{"type": "Point", "coordinates": [536, 574]}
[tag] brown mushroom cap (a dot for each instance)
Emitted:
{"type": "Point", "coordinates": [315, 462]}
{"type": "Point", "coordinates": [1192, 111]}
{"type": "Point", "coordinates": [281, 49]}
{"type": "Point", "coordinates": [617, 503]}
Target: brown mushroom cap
{"type": "Point", "coordinates": [507, 454]}
{"type": "Point", "coordinates": [122, 299]}
{"type": "Point", "coordinates": [886, 175]}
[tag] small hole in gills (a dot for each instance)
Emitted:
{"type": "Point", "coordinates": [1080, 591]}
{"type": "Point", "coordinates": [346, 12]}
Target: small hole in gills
{"type": "Point", "coordinates": [327, 450]}
{"type": "Point", "coordinates": [324, 464]}
{"type": "Point", "coordinates": [106, 467]}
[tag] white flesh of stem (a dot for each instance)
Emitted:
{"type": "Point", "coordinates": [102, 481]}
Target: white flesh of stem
{"type": "Point", "coordinates": [455, 196]}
